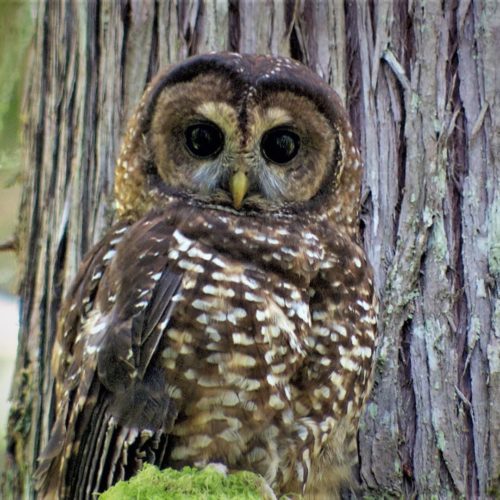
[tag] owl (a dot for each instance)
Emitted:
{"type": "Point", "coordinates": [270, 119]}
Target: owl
{"type": "Point", "coordinates": [229, 315]}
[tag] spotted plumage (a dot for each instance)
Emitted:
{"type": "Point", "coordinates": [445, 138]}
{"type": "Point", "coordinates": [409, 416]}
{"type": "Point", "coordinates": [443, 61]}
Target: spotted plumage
{"type": "Point", "coordinates": [228, 316]}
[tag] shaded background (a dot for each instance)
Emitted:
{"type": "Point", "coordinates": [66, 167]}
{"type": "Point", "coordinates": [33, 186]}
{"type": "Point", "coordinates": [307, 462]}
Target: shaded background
{"type": "Point", "coordinates": [16, 28]}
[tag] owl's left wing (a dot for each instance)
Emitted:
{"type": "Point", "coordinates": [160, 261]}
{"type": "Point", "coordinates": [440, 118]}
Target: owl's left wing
{"type": "Point", "coordinates": [113, 408]}
{"type": "Point", "coordinates": [335, 378]}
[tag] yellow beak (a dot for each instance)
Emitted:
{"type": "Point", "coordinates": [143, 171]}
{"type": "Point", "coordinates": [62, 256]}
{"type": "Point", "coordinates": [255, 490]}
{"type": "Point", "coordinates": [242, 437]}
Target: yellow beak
{"type": "Point", "coordinates": [238, 185]}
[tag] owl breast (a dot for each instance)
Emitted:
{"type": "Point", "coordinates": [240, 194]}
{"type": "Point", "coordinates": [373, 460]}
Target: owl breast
{"type": "Point", "coordinates": [241, 327]}
{"type": "Point", "coordinates": [237, 332]}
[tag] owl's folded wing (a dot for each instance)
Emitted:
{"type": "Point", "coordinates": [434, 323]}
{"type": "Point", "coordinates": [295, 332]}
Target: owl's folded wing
{"type": "Point", "coordinates": [113, 410]}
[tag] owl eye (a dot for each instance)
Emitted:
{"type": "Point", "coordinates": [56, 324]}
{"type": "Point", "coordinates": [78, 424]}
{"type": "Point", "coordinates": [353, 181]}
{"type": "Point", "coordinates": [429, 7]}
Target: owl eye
{"type": "Point", "coordinates": [280, 145]}
{"type": "Point", "coordinates": [204, 139]}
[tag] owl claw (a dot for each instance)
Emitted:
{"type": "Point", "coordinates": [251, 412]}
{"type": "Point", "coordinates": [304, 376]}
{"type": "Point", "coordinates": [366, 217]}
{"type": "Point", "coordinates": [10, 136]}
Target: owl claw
{"type": "Point", "coordinates": [218, 467]}
{"type": "Point", "coordinates": [266, 491]}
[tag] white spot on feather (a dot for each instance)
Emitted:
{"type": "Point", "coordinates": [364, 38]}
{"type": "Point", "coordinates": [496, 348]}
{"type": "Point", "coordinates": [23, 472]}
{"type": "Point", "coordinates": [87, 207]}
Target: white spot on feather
{"type": "Point", "coordinates": [340, 329]}
{"type": "Point", "coordinates": [242, 339]}
{"type": "Point", "coordinates": [302, 311]}
{"type": "Point", "coordinates": [251, 297]}
{"type": "Point", "coordinates": [96, 275]}
{"type": "Point", "coordinates": [109, 254]}
{"type": "Point", "coordinates": [203, 319]}
{"type": "Point", "coordinates": [196, 252]}
{"type": "Point", "coordinates": [276, 403]}
{"type": "Point", "coordinates": [249, 282]}
{"type": "Point", "coordinates": [202, 305]}
{"type": "Point", "coordinates": [183, 242]}
{"type": "Point", "coordinates": [190, 266]}
{"type": "Point", "coordinates": [173, 254]}
{"type": "Point", "coordinates": [260, 315]}
{"type": "Point", "coordinates": [362, 352]}
{"type": "Point", "coordinates": [98, 327]}
{"type": "Point", "coordinates": [213, 334]}
{"type": "Point", "coordinates": [219, 262]}
{"type": "Point", "coordinates": [349, 364]}
{"type": "Point", "coordinates": [364, 304]}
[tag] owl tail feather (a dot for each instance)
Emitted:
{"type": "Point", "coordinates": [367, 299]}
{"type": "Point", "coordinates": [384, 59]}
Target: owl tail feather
{"type": "Point", "coordinates": [95, 451]}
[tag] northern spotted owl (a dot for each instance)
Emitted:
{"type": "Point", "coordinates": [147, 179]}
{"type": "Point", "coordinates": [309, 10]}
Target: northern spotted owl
{"type": "Point", "coordinates": [228, 316]}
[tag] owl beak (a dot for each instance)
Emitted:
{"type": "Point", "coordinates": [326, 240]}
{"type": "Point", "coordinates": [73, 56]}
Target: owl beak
{"type": "Point", "coordinates": [238, 185]}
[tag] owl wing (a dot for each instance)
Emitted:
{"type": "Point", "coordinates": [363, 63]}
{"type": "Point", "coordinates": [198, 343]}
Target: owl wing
{"type": "Point", "coordinates": [336, 376]}
{"type": "Point", "coordinates": [113, 408]}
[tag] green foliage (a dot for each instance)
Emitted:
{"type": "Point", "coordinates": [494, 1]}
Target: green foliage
{"type": "Point", "coordinates": [16, 28]}
{"type": "Point", "coordinates": [189, 483]}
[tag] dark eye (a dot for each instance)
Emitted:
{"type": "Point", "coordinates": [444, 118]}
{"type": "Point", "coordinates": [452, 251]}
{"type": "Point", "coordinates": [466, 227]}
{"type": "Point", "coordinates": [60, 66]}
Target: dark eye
{"type": "Point", "coordinates": [280, 145]}
{"type": "Point", "coordinates": [204, 139]}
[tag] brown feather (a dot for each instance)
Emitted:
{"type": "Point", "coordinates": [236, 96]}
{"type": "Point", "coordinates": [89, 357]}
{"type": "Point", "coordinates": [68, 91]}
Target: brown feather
{"type": "Point", "coordinates": [195, 332]}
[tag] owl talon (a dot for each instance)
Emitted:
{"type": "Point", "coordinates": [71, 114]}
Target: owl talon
{"type": "Point", "coordinates": [217, 467]}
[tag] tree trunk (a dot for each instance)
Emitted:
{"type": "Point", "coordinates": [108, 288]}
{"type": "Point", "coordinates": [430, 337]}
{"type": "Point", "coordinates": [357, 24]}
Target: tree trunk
{"type": "Point", "coordinates": [421, 83]}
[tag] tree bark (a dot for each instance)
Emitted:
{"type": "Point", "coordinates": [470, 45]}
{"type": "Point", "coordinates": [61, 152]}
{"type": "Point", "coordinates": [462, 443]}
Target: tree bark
{"type": "Point", "coordinates": [421, 81]}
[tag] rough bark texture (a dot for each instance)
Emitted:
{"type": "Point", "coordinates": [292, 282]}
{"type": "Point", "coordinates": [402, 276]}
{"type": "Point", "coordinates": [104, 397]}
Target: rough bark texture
{"type": "Point", "coordinates": [421, 81]}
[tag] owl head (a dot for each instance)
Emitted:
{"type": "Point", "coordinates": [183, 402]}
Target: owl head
{"type": "Point", "coordinates": [241, 133]}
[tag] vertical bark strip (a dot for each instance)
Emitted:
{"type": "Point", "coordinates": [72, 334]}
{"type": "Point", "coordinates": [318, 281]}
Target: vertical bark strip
{"type": "Point", "coordinates": [421, 81]}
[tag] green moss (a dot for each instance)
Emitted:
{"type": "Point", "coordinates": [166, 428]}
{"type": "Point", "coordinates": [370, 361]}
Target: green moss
{"type": "Point", "coordinates": [189, 483]}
